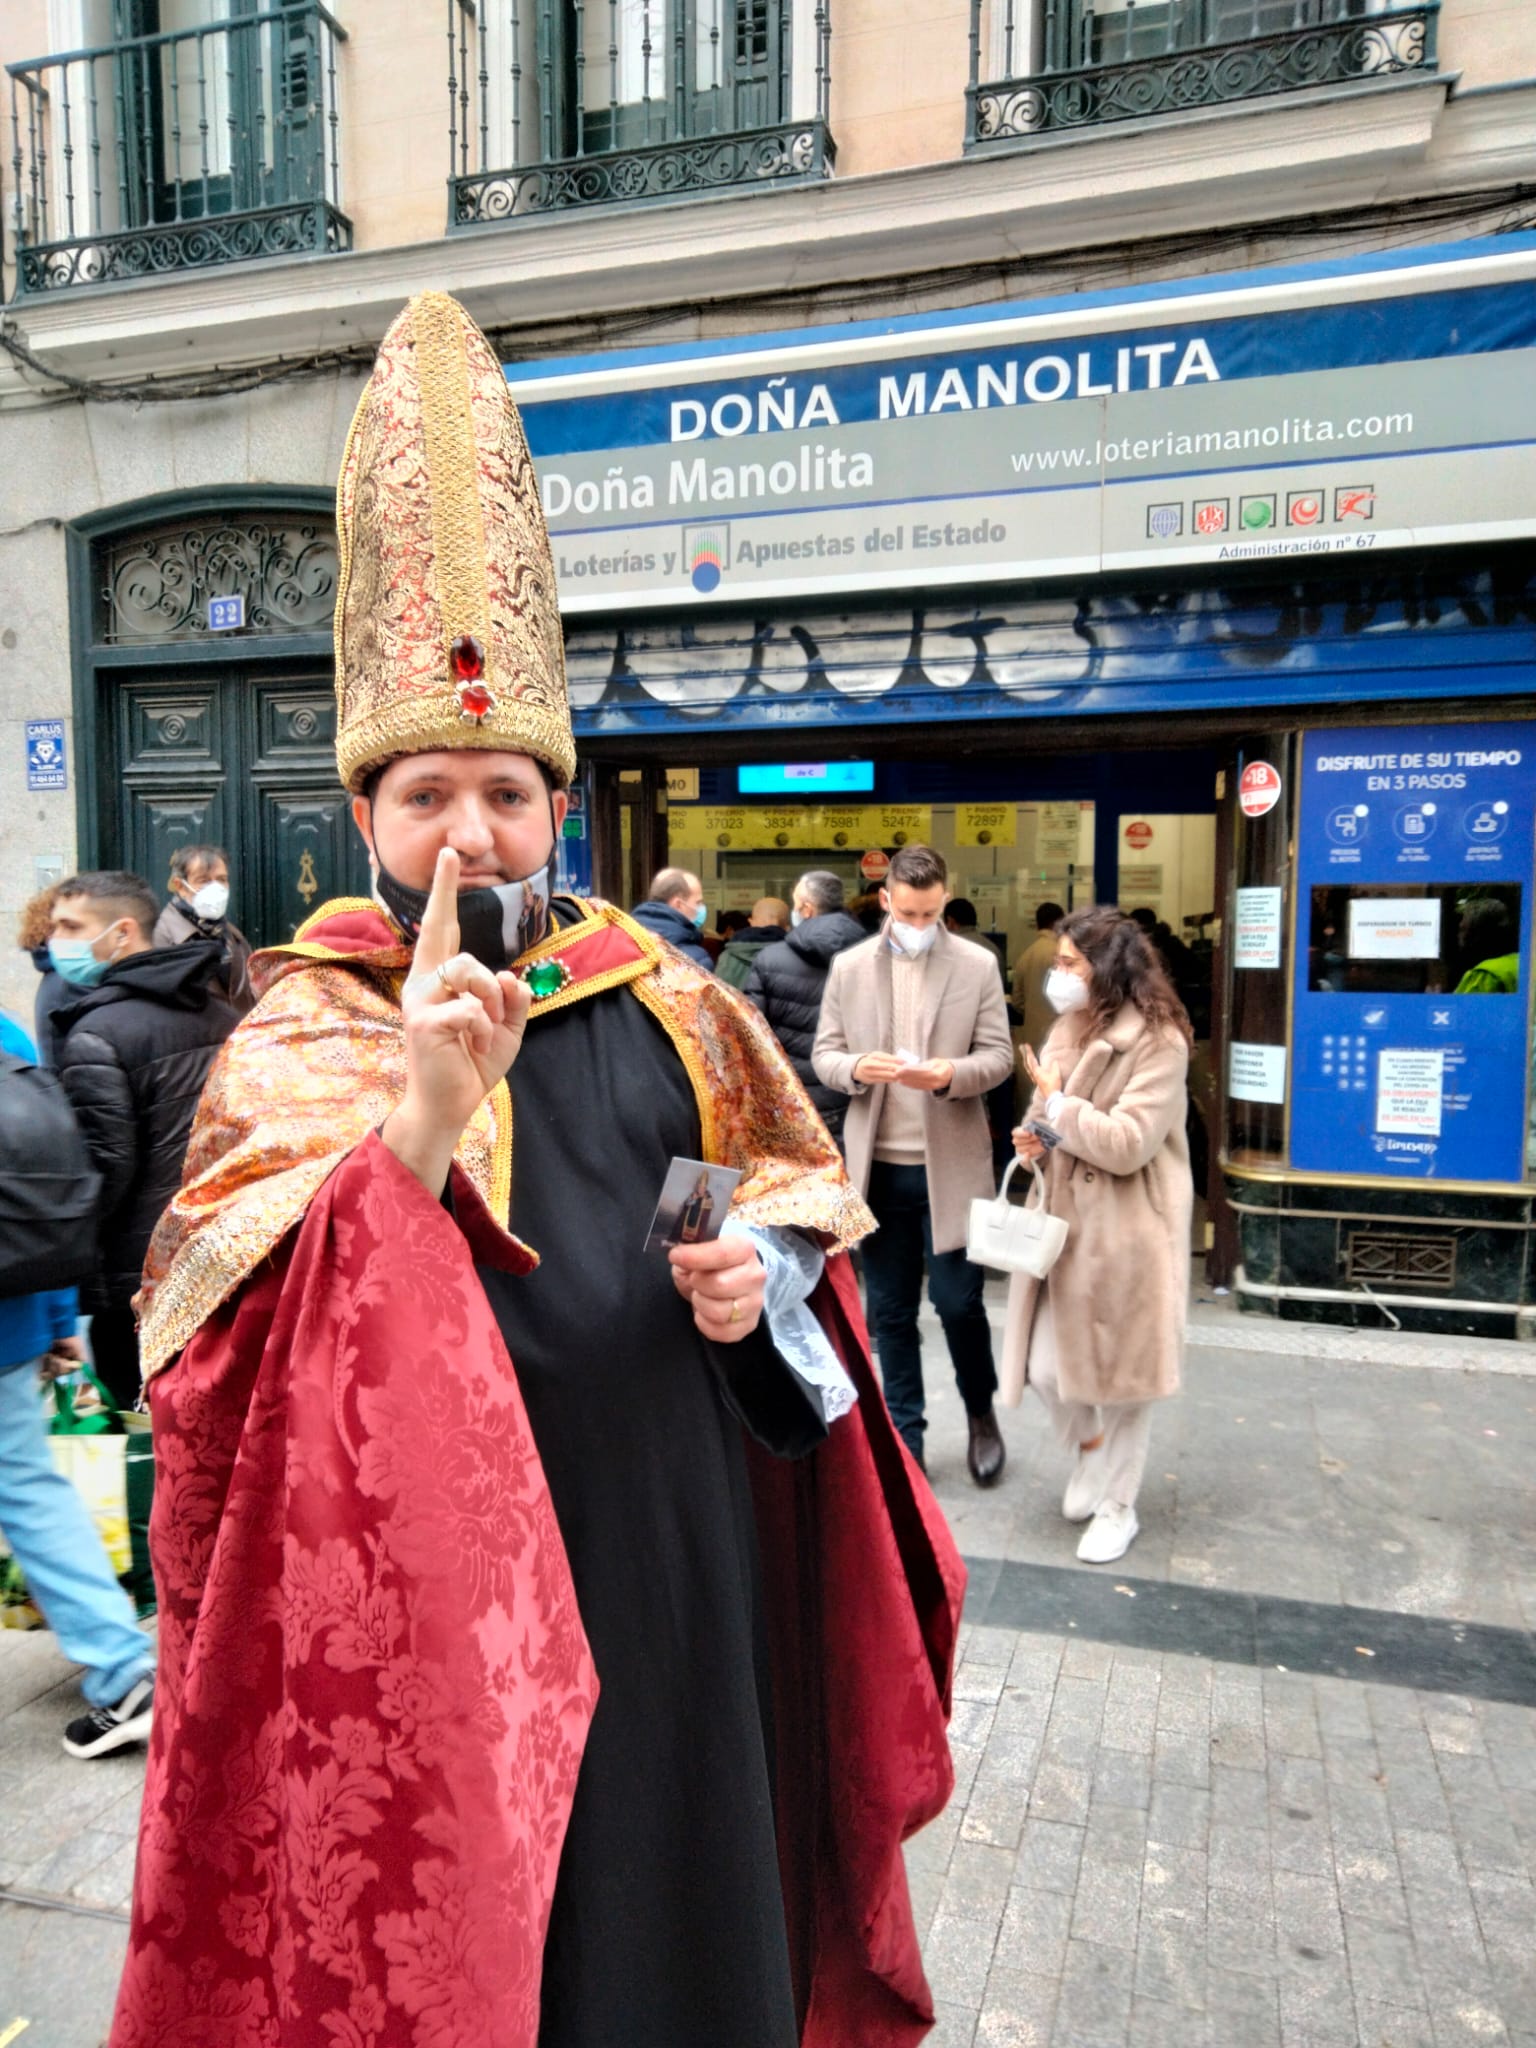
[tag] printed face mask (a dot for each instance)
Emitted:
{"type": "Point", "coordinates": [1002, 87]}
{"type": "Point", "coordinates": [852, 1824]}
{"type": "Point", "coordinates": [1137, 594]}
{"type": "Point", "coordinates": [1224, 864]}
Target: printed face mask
{"type": "Point", "coordinates": [495, 925]}
{"type": "Point", "coordinates": [914, 939]}
{"type": "Point", "coordinates": [1065, 990]}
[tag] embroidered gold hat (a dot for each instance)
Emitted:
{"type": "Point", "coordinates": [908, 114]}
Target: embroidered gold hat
{"type": "Point", "coordinates": [447, 627]}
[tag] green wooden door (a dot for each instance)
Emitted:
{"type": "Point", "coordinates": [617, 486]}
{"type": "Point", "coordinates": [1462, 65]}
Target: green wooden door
{"type": "Point", "coordinates": [244, 758]}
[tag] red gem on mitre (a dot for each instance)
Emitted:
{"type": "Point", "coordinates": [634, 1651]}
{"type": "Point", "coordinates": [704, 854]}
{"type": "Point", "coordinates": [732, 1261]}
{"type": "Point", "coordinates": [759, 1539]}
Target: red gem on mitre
{"type": "Point", "coordinates": [468, 658]}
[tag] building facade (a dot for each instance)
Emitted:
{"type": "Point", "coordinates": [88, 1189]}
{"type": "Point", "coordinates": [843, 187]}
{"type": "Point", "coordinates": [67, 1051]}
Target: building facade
{"type": "Point", "coordinates": [676, 218]}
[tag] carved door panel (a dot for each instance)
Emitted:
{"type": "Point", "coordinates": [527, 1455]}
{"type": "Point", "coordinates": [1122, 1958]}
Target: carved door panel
{"type": "Point", "coordinates": [244, 760]}
{"type": "Point", "coordinates": [305, 848]}
{"type": "Point", "coordinates": [171, 791]}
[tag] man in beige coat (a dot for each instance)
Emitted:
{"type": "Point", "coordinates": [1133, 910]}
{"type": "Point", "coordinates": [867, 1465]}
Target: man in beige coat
{"type": "Point", "coordinates": [914, 1028]}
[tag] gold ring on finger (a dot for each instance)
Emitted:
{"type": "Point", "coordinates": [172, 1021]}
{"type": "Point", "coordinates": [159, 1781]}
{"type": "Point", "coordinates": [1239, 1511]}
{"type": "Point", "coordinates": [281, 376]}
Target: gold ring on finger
{"type": "Point", "coordinates": [735, 1314]}
{"type": "Point", "coordinates": [442, 975]}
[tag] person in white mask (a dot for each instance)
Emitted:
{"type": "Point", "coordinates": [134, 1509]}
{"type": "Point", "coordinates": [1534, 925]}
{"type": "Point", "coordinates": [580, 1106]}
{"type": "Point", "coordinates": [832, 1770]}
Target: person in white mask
{"type": "Point", "coordinates": [1103, 1337]}
{"type": "Point", "coordinates": [915, 1029]}
{"type": "Point", "coordinates": [199, 909]}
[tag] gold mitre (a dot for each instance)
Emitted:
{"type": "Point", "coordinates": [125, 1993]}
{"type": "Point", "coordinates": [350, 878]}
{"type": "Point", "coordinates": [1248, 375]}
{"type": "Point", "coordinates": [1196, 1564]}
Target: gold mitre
{"type": "Point", "coordinates": [447, 627]}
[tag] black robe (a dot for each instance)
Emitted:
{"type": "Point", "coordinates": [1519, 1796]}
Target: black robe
{"type": "Point", "coordinates": [667, 1928]}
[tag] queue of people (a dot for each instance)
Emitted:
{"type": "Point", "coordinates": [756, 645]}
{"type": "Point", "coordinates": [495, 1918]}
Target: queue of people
{"type": "Point", "coordinates": [898, 1036]}
{"type": "Point", "coordinates": [130, 1014]}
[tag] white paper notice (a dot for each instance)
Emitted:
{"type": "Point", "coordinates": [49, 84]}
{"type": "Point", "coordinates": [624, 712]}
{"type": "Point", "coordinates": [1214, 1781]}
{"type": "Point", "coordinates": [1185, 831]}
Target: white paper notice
{"type": "Point", "coordinates": [1256, 928]}
{"type": "Point", "coordinates": [1257, 1073]}
{"type": "Point", "coordinates": [1409, 1087]}
{"type": "Point", "coordinates": [1394, 928]}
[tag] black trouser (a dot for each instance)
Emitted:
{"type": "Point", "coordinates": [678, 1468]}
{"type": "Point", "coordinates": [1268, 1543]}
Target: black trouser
{"type": "Point", "coordinates": [115, 1354]}
{"type": "Point", "coordinates": [893, 1277]}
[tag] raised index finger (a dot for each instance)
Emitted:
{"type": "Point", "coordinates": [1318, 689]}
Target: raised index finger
{"type": "Point", "coordinates": [439, 937]}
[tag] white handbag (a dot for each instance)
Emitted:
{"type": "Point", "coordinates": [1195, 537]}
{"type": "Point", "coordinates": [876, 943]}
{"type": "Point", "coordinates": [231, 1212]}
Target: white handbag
{"type": "Point", "coordinates": [1025, 1239]}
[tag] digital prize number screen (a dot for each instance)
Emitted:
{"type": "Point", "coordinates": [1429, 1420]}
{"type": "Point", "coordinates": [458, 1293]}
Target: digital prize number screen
{"type": "Point", "coordinates": [1411, 1023]}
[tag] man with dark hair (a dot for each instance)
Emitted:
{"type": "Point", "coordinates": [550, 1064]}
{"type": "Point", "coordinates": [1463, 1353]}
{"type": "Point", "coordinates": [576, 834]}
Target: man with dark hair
{"type": "Point", "coordinates": [138, 1033]}
{"type": "Point", "coordinates": [914, 1028]}
{"type": "Point", "coordinates": [785, 981]}
{"type": "Point", "coordinates": [675, 911]}
{"type": "Point", "coordinates": [199, 909]}
{"type": "Point", "coordinates": [1029, 972]}
{"type": "Point", "coordinates": [770, 921]}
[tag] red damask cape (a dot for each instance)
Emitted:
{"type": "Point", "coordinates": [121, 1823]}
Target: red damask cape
{"type": "Point", "coordinates": [374, 1685]}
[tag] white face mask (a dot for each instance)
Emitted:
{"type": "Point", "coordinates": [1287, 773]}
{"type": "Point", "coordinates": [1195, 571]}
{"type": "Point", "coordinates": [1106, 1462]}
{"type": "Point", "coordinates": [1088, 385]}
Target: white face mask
{"type": "Point", "coordinates": [914, 939]}
{"type": "Point", "coordinates": [1065, 990]}
{"type": "Point", "coordinates": [211, 901]}
{"type": "Point", "coordinates": [797, 918]}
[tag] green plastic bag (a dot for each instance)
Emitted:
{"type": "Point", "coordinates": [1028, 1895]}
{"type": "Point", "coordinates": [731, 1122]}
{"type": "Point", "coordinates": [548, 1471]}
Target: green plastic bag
{"type": "Point", "coordinates": [82, 1406]}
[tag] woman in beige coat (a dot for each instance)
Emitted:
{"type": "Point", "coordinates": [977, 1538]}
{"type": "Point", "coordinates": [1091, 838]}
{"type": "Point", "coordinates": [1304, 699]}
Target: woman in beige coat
{"type": "Point", "coordinates": [1103, 1337]}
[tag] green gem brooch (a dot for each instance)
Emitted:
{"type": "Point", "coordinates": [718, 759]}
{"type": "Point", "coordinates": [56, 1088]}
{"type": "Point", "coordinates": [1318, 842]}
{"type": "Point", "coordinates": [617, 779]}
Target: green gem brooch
{"type": "Point", "coordinates": [546, 978]}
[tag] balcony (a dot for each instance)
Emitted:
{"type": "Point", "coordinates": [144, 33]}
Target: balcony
{"type": "Point", "coordinates": [1041, 67]}
{"type": "Point", "coordinates": [157, 154]}
{"type": "Point", "coordinates": [603, 102]}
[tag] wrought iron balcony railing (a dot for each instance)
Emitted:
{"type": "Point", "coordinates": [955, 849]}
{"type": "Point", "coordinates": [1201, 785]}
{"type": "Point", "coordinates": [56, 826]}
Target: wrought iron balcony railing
{"type": "Point", "coordinates": [555, 103]}
{"type": "Point", "coordinates": [161, 153]}
{"type": "Point", "coordinates": [1039, 66]}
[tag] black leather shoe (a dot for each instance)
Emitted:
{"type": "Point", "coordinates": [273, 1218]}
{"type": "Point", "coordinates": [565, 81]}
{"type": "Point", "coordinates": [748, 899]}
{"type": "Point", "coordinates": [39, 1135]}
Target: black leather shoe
{"type": "Point", "coordinates": [988, 1453]}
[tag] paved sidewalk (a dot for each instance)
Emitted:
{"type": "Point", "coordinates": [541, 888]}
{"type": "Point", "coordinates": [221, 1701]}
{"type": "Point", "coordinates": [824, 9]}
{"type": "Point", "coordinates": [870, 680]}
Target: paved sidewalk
{"type": "Point", "coordinates": [1158, 1836]}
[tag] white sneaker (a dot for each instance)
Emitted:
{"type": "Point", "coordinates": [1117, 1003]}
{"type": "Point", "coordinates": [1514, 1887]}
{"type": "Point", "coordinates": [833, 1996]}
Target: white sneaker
{"type": "Point", "coordinates": [1085, 1489]}
{"type": "Point", "coordinates": [1109, 1535]}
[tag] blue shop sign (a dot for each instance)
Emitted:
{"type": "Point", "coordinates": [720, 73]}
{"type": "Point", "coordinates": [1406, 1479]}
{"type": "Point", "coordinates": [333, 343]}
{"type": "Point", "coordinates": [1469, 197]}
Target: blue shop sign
{"type": "Point", "coordinates": [1411, 1038]}
{"type": "Point", "coordinates": [47, 764]}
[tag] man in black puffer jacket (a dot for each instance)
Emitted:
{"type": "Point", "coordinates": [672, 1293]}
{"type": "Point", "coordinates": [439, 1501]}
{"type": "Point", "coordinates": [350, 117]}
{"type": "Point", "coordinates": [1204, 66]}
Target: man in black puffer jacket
{"type": "Point", "coordinates": [139, 1030]}
{"type": "Point", "coordinates": [786, 979]}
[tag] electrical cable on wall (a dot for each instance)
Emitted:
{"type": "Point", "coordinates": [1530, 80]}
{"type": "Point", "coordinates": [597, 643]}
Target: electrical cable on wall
{"type": "Point", "coordinates": [1076, 269]}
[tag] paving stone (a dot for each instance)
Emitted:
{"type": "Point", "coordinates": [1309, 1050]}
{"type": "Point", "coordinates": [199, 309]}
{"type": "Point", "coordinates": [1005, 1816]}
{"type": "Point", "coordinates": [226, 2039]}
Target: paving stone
{"type": "Point", "coordinates": [1115, 1834]}
{"type": "Point", "coordinates": [1239, 1859]}
{"type": "Point", "coordinates": [1380, 2025]}
{"type": "Point", "coordinates": [1019, 2012]}
{"type": "Point", "coordinates": [954, 2026]}
{"type": "Point", "coordinates": [1107, 1905]}
{"type": "Point", "coordinates": [1121, 1779]}
{"type": "Point", "coordinates": [1307, 1919]}
{"type": "Point", "coordinates": [978, 1879]}
{"type": "Point", "coordinates": [1469, 2024]}
{"type": "Point", "coordinates": [1156, 2024]}
{"type": "Point", "coordinates": [1179, 1815]}
{"type": "Point", "coordinates": [1383, 1963]}
{"type": "Point", "coordinates": [1239, 1933]}
{"type": "Point", "coordinates": [958, 1957]}
{"type": "Point", "coordinates": [1243, 2011]}
{"type": "Point", "coordinates": [1049, 1854]}
{"type": "Point", "coordinates": [1171, 1964]}
{"type": "Point", "coordinates": [1239, 1798]}
{"type": "Point", "coordinates": [1181, 1758]}
{"type": "Point", "coordinates": [1034, 1931]}
{"type": "Point", "coordinates": [1094, 2007]}
{"type": "Point", "coordinates": [1061, 1793]}
{"type": "Point", "coordinates": [1175, 1882]}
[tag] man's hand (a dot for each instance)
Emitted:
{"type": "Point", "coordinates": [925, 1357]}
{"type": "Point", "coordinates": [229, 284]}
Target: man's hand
{"type": "Point", "coordinates": [463, 1028]}
{"type": "Point", "coordinates": [928, 1075]}
{"type": "Point", "coordinates": [724, 1281]}
{"type": "Point", "coordinates": [874, 1067]}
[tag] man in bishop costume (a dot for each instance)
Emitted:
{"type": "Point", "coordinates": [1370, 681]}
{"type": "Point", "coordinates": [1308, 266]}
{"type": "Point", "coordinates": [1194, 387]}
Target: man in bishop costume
{"type": "Point", "coordinates": [555, 1638]}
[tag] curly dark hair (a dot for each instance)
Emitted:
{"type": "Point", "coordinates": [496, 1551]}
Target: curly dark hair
{"type": "Point", "coordinates": [1126, 969]}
